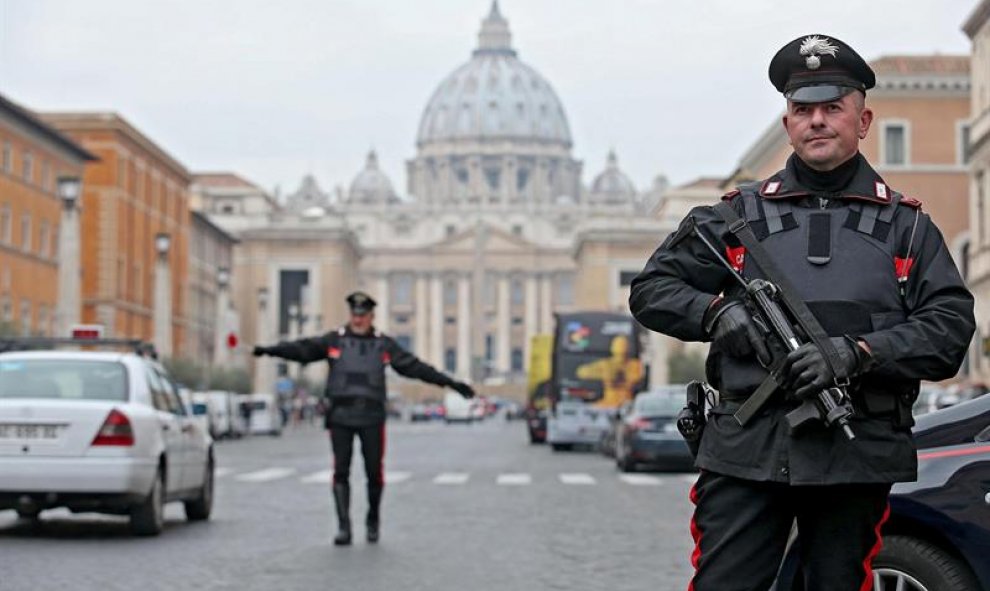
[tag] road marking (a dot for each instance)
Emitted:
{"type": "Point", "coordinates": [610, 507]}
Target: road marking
{"type": "Point", "coordinates": [640, 479]}
{"type": "Point", "coordinates": [451, 478]}
{"type": "Point", "coordinates": [396, 477]}
{"type": "Point", "coordinates": [578, 479]}
{"type": "Point", "coordinates": [513, 479]}
{"type": "Point", "coordinates": [221, 472]}
{"type": "Point", "coordinates": [266, 475]}
{"type": "Point", "coordinates": [321, 477]}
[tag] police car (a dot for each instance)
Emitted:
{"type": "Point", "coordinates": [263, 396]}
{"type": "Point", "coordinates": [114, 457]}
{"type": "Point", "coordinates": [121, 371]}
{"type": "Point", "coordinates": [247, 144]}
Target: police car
{"type": "Point", "coordinates": [98, 431]}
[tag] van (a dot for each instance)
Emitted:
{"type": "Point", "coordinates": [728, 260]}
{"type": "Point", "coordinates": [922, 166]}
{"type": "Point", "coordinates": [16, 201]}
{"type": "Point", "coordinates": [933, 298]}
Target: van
{"type": "Point", "coordinates": [458, 409]}
{"type": "Point", "coordinates": [265, 416]}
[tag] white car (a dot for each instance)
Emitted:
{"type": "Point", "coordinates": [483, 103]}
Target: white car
{"type": "Point", "coordinates": [266, 419]}
{"type": "Point", "coordinates": [99, 431]}
{"type": "Point", "coordinates": [458, 409]}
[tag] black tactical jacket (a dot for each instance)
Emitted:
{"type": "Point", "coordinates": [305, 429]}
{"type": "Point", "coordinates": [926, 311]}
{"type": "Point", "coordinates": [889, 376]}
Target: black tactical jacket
{"type": "Point", "coordinates": [362, 411]}
{"type": "Point", "coordinates": [918, 328]}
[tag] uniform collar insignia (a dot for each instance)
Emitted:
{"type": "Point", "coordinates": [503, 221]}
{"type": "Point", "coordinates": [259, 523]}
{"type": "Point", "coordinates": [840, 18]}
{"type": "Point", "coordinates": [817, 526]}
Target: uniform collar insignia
{"type": "Point", "coordinates": [814, 46]}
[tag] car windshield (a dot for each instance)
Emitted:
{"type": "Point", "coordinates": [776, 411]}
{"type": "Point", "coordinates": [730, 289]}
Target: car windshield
{"type": "Point", "coordinates": [653, 405]}
{"type": "Point", "coordinates": [67, 379]}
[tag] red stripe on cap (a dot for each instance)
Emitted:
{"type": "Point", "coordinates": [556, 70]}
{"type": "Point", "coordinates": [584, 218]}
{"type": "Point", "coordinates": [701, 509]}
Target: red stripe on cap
{"type": "Point", "coordinates": [868, 563]}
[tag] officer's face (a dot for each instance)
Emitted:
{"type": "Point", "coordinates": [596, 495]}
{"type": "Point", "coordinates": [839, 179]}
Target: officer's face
{"type": "Point", "coordinates": [361, 323]}
{"type": "Point", "coordinates": [824, 135]}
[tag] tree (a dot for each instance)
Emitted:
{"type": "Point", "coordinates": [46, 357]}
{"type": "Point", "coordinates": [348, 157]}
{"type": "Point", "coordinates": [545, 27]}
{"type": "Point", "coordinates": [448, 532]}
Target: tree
{"type": "Point", "coordinates": [686, 366]}
{"type": "Point", "coordinates": [230, 379]}
{"type": "Point", "coordinates": [185, 372]}
{"type": "Point", "coordinates": [7, 329]}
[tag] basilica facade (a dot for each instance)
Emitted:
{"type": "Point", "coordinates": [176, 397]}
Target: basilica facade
{"type": "Point", "coordinates": [494, 233]}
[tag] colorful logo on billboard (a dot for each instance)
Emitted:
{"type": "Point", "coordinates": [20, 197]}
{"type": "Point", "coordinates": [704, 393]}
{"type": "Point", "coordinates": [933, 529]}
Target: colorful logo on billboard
{"type": "Point", "coordinates": [578, 336]}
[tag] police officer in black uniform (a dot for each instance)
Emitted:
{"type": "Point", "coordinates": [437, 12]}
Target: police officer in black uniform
{"type": "Point", "coordinates": [358, 355]}
{"type": "Point", "coordinates": [875, 272]}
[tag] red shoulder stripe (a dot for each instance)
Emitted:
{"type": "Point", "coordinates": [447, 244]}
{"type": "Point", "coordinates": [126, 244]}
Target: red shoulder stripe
{"type": "Point", "coordinates": [730, 195]}
{"type": "Point", "coordinates": [911, 202]}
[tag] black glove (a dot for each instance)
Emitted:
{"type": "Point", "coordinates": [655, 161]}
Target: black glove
{"type": "Point", "coordinates": [464, 389]}
{"type": "Point", "coordinates": [258, 351]}
{"type": "Point", "coordinates": [806, 372]}
{"type": "Point", "coordinates": [733, 330]}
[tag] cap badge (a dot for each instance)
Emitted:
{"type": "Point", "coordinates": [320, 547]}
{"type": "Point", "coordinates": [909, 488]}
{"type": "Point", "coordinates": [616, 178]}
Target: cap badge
{"type": "Point", "coordinates": [814, 46]}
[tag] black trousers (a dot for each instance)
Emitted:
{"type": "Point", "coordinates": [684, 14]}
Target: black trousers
{"type": "Point", "coordinates": [372, 448]}
{"type": "Point", "coordinates": [741, 527]}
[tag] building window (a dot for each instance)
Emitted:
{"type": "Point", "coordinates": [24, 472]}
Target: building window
{"type": "Point", "coordinates": [8, 157]}
{"type": "Point", "coordinates": [227, 209]}
{"type": "Point", "coordinates": [450, 360]}
{"type": "Point", "coordinates": [450, 293]}
{"type": "Point", "coordinates": [6, 224]}
{"type": "Point", "coordinates": [6, 310]}
{"type": "Point", "coordinates": [46, 175]}
{"type": "Point", "coordinates": [26, 232]}
{"type": "Point", "coordinates": [53, 245]}
{"type": "Point", "coordinates": [517, 321]}
{"type": "Point", "coordinates": [962, 142]}
{"type": "Point", "coordinates": [522, 177]}
{"type": "Point", "coordinates": [489, 347]}
{"type": "Point", "coordinates": [451, 230]}
{"type": "Point", "coordinates": [518, 293]}
{"type": "Point", "coordinates": [981, 236]}
{"type": "Point", "coordinates": [450, 320]}
{"type": "Point", "coordinates": [402, 318]}
{"type": "Point", "coordinates": [894, 146]}
{"type": "Point", "coordinates": [28, 167]}
{"type": "Point", "coordinates": [43, 239]}
{"type": "Point", "coordinates": [517, 230]}
{"type": "Point", "coordinates": [43, 320]}
{"type": "Point", "coordinates": [492, 175]}
{"type": "Point", "coordinates": [517, 359]}
{"type": "Point", "coordinates": [565, 291]}
{"type": "Point", "coordinates": [405, 341]}
{"type": "Point", "coordinates": [25, 318]}
{"type": "Point", "coordinates": [402, 289]}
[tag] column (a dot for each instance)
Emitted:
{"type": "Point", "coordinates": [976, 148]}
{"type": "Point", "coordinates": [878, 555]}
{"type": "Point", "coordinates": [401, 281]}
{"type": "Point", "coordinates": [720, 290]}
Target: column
{"type": "Point", "coordinates": [419, 343]}
{"type": "Point", "coordinates": [546, 303]}
{"type": "Point", "coordinates": [163, 307]}
{"type": "Point", "coordinates": [436, 321]}
{"type": "Point", "coordinates": [503, 348]}
{"type": "Point", "coordinates": [464, 326]}
{"type": "Point", "coordinates": [384, 315]}
{"type": "Point", "coordinates": [530, 317]}
{"type": "Point", "coordinates": [69, 293]}
{"type": "Point", "coordinates": [221, 328]}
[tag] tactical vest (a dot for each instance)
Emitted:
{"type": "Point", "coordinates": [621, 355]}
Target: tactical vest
{"type": "Point", "coordinates": [852, 290]}
{"type": "Point", "coordinates": [358, 367]}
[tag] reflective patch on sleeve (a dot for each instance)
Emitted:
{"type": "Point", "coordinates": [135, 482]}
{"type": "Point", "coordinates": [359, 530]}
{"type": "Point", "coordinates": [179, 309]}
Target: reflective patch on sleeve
{"type": "Point", "coordinates": [736, 257]}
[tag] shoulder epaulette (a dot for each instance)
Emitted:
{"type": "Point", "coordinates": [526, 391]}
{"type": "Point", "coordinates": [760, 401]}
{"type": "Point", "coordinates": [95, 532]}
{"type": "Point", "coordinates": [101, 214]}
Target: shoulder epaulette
{"type": "Point", "coordinates": [731, 195]}
{"type": "Point", "coordinates": [910, 202]}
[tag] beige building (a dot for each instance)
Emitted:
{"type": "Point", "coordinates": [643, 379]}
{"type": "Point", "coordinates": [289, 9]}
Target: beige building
{"type": "Point", "coordinates": [497, 231]}
{"type": "Point", "coordinates": [977, 27]}
{"type": "Point", "coordinates": [921, 108]}
{"type": "Point", "coordinates": [212, 316]}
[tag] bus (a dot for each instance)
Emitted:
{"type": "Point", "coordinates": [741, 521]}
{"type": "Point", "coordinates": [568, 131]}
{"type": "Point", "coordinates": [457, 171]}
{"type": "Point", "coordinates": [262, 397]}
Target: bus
{"type": "Point", "coordinates": [596, 367]}
{"type": "Point", "coordinates": [537, 401]}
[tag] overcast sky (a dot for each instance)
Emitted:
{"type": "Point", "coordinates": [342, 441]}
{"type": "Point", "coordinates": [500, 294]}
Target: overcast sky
{"type": "Point", "coordinates": [273, 90]}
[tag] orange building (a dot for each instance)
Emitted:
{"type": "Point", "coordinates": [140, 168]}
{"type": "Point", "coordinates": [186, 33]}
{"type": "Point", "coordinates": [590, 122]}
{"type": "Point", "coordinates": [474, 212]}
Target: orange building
{"type": "Point", "coordinates": [921, 107]}
{"type": "Point", "coordinates": [135, 191]}
{"type": "Point", "coordinates": [32, 158]}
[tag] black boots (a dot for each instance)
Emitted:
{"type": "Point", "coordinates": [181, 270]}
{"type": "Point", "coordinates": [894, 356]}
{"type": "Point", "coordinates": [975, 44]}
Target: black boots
{"type": "Point", "coordinates": [372, 521]}
{"type": "Point", "coordinates": [342, 498]}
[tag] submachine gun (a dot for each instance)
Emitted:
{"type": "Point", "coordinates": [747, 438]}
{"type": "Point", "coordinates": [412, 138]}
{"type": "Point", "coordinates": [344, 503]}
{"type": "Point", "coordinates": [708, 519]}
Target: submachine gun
{"type": "Point", "coordinates": [764, 300]}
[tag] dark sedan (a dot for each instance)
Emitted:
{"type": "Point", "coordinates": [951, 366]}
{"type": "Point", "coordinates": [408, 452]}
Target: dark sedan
{"type": "Point", "coordinates": [647, 435]}
{"type": "Point", "coordinates": [938, 534]}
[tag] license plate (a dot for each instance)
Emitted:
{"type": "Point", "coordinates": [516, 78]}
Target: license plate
{"type": "Point", "coordinates": [32, 432]}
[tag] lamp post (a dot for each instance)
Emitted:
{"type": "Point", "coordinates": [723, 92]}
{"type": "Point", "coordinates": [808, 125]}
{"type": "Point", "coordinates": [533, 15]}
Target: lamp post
{"type": "Point", "coordinates": [69, 302]}
{"type": "Point", "coordinates": [221, 326]}
{"type": "Point", "coordinates": [163, 296]}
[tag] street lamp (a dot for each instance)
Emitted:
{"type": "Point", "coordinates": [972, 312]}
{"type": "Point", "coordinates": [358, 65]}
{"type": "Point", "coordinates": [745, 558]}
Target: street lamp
{"type": "Point", "coordinates": [163, 241]}
{"type": "Point", "coordinates": [223, 277]}
{"type": "Point", "coordinates": [69, 188]}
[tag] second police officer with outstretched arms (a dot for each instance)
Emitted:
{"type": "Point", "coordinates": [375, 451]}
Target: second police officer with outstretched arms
{"type": "Point", "coordinates": [875, 272]}
{"type": "Point", "coordinates": [358, 356]}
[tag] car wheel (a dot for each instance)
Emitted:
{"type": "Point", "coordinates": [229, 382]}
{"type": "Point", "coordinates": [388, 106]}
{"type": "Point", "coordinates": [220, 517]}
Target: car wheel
{"type": "Point", "coordinates": [148, 518]}
{"type": "Point", "coordinates": [199, 508]}
{"type": "Point", "coordinates": [29, 514]}
{"type": "Point", "coordinates": [911, 564]}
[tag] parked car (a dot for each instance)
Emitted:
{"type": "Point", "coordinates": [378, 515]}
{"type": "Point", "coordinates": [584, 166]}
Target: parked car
{"type": "Point", "coordinates": [224, 414]}
{"type": "Point", "coordinates": [197, 408]}
{"type": "Point", "coordinates": [265, 416]}
{"type": "Point", "coordinates": [647, 435]}
{"type": "Point", "coordinates": [938, 533]}
{"type": "Point", "coordinates": [611, 434]}
{"type": "Point", "coordinates": [99, 431]}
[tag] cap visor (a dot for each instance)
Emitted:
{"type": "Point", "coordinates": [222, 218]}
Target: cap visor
{"type": "Point", "coordinates": [821, 93]}
{"type": "Point", "coordinates": [360, 310]}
